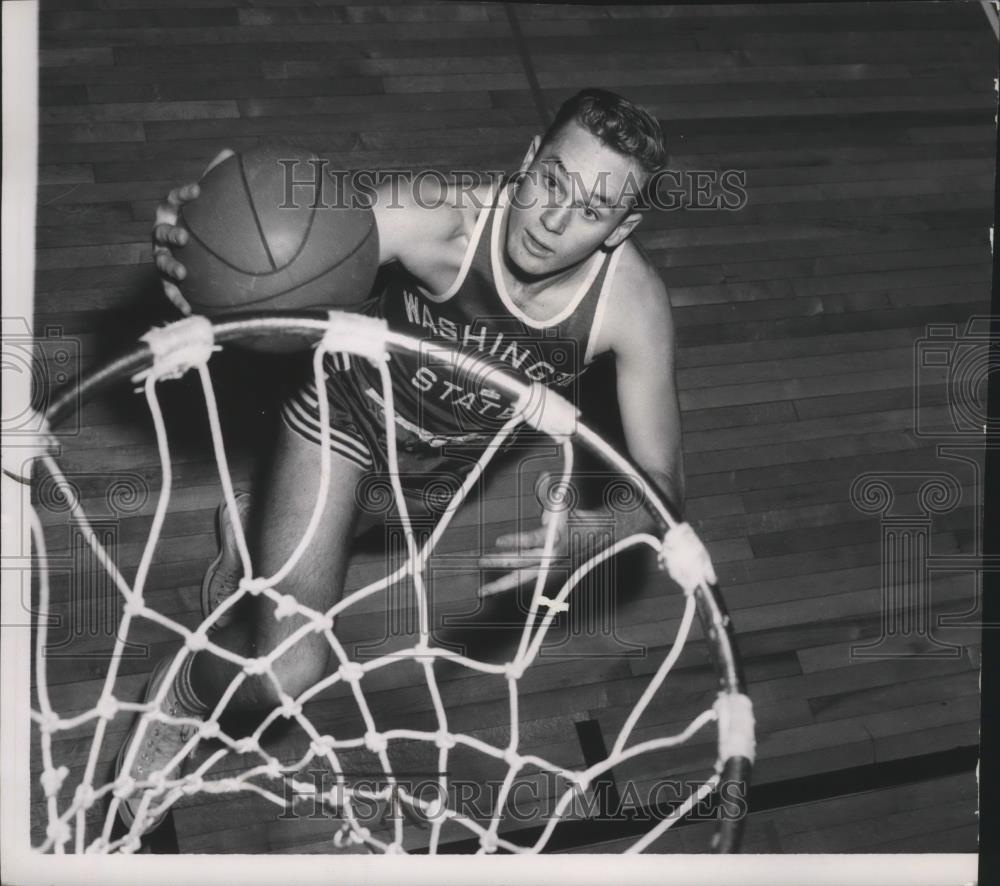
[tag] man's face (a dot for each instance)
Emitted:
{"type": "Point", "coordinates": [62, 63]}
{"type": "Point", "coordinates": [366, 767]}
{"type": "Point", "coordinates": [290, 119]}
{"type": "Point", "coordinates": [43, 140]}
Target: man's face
{"type": "Point", "coordinates": [576, 196]}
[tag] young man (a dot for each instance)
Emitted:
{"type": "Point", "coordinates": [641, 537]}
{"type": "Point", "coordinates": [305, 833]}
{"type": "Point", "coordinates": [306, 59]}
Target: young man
{"type": "Point", "coordinates": [538, 262]}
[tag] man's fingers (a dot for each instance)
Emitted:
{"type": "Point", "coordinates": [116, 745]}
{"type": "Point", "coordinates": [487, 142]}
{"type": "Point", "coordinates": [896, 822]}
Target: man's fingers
{"type": "Point", "coordinates": [508, 582]}
{"type": "Point", "coordinates": [176, 298]}
{"type": "Point", "coordinates": [165, 215]}
{"type": "Point", "coordinates": [532, 538]}
{"type": "Point", "coordinates": [522, 559]}
{"type": "Point", "coordinates": [166, 233]}
{"type": "Point", "coordinates": [183, 194]}
{"type": "Point", "coordinates": [168, 265]}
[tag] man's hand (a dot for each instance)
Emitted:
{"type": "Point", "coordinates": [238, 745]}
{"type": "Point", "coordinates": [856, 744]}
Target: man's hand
{"type": "Point", "coordinates": [166, 233]}
{"type": "Point", "coordinates": [525, 554]}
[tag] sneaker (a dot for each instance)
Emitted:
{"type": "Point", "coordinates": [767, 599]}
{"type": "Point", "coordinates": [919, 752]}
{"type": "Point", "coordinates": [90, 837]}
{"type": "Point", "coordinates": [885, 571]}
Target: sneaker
{"type": "Point", "coordinates": [160, 743]}
{"type": "Point", "coordinates": [222, 579]}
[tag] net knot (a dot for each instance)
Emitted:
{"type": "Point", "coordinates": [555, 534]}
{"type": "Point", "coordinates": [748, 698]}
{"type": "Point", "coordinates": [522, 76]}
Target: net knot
{"type": "Point", "coordinates": [273, 768]}
{"type": "Point", "coordinates": [231, 785]}
{"type": "Point", "coordinates": [555, 605]}
{"type": "Point", "coordinates": [345, 837]}
{"type": "Point", "coordinates": [513, 759]}
{"type": "Point", "coordinates": [489, 842]}
{"type": "Point", "coordinates": [582, 782]}
{"type": "Point", "coordinates": [686, 560]}
{"type": "Point", "coordinates": [287, 605]}
{"type": "Point", "coordinates": [290, 708]}
{"type": "Point", "coordinates": [107, 708]}
{"type": "Point", "coordinates": [157, 780]}
{"type": "Point", "coordinates": [124, 785]}
{"type": "Point", "coordinates": [52, 780]}
{"type": "Point", "coordinates": [514, 670]}
{"type": "Point", "coordinates": [433, 808]}
{"type": "Point", "coordinates": [395, 849]}
{"type": "Point", "coordinates": [49, 722]}
{"type": "Point", "coordinates": [247, 745]}
{"type": "Point", "coordinates": [321, 746]}
{"type": "Point", "coordinates": [322, 623]}
{"type": "Point", "coordinates": [133, 604]}
{"type": "Point", "coordinates": [356, 334]}
{"type": "Point", "coordinates": [197, 641]}
{"type": "Point", "coordinates": [256, 666]}
{"type": "Point", "coordinates": [131, 844]}
{"type": "Point", "coordinates": [336, 796]}
{"type": "Point", "coordinates": [84, 796]}
{"type": "Point", "coordinates": [178, 347]}
{"type": "Point", "coordinates": [192, 784]}
{"type": "Point", "coordinates": [736, 726]}
{"type": "Point", "coordinates": [375, 742]}
{"type": "Point", "coordinates": [444, 739]}
{"type": "Point", "coordinates": [58, 832]}
{"type": "Point", "coordinates": [351, 672]}
{"type": "Point", "coordinates": [209, 729]}
{"type": "Point", "coordinates": [253, 586]}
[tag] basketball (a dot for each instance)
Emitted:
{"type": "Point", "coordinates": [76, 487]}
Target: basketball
{"type": "Point", "coordinates": [274, 228]}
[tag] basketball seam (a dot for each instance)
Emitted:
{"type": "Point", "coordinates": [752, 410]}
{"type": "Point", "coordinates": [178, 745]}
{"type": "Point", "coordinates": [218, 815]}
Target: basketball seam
{"type": "Point", "coordinates": [309, 225]}
{"type": "Point", "coordinates": [253, 210]}
{"type": "Point", "coordinates": [284, 292]}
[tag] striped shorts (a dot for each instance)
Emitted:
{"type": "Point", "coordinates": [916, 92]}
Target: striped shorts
{"type": "Point", "coordinates": [301, 413]}
{"type": "Point", "coordinates": [358, 431]}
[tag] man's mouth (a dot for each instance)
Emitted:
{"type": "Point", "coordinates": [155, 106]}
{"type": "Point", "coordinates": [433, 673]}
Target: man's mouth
{"type": "Point", "coordinates": [536, 247]}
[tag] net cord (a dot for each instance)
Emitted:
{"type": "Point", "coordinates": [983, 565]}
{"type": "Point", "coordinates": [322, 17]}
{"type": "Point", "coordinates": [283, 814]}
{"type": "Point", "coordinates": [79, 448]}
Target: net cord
{"type": "Point", "coordinates": [536, 626]}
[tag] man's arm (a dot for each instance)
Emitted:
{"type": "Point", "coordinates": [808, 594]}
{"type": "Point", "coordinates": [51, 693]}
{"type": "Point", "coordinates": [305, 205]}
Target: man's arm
{"type": "Point", "coordinates": [410, 226]}
{"type": "Point", "coordinates": [420, 226]}
{"type": "Point", "coordinates": [639, 330]}
{"type": "Point", "coordinates": [640, 333]}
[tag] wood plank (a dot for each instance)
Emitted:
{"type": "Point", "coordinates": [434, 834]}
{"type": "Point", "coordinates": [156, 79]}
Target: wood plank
{"type": "Point", "coordinates": [74, 56]}
{"type": "Point", "coordinates": [90, 132]}
{"type": "Point", "coordinates": [329, 34]}
{"type": "Point", "coordinates": [822, 326]}
{"type": "Point", "coordinates": [834, 534]}
{"type": "Point", "coordinates": [194, 90]}
{"type": "Point", "coordinates": [281, 49]}
{"type": "Point", "coordinates": [83, 20]}
{"type": "Point", "coordinates": [761, 370]}
{"type": "Point", "coordinates": [138, 111]}
{"type": "Point", "coordinates": [827, 247]}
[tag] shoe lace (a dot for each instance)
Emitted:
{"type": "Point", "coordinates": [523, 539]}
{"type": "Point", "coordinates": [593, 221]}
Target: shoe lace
{"type": "Point", "coordinates": [230, 583]}
{"type": "Point", "coordinates": [163, 740]}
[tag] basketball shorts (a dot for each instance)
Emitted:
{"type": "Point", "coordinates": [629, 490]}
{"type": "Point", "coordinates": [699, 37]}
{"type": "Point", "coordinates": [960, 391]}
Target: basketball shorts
{"type": "Point", "coordinates": [358, 432]}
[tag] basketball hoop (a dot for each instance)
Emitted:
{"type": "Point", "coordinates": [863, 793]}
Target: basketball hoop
{"type": "Point", "coordinates": [188, 345]}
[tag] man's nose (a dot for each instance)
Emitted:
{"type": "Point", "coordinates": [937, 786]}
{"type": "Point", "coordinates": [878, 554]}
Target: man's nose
{"type": "Point", "coordinates": [554, 219]}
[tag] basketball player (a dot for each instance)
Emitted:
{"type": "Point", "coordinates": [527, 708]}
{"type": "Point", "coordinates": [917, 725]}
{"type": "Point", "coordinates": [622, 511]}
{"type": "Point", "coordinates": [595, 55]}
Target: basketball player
{"type": "Point", "coordinates": [508, 273]}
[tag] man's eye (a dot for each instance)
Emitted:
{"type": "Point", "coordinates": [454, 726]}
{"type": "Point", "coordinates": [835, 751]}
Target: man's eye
{"type": "Point", "coordinates": [550, 182]}
{"type": "Point", "coordinates": [590, 214]}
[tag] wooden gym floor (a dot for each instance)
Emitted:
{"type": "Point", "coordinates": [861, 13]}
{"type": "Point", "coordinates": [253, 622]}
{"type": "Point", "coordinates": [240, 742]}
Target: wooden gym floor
{"type": "Point", "coordinates": [866, 134]}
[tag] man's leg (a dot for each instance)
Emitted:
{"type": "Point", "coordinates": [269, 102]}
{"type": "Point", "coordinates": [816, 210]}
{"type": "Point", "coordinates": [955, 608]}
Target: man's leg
{"type": "Point", "coordinates": [280, 513]}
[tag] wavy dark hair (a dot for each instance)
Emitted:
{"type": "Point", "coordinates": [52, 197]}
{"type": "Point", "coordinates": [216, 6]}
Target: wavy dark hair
{"type": "Point", "coordinates": [620, 124]}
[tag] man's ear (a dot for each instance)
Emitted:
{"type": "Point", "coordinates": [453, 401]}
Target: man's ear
{"type": "Point", "coordinates": [625, 227]}
{"type": "Point", "coordinates": [530, 155]}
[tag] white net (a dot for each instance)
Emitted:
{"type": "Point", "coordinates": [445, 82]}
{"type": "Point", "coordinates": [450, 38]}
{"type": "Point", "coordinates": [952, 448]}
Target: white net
{"type": "Point", "coordinates": [188, 345]}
